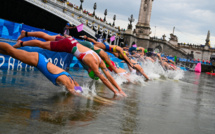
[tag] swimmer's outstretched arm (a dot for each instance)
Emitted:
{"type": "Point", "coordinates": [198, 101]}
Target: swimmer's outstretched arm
{"type": "Point", "coordinates": [89, 39]}
{"type": "Point", "coordinates": [140, 69]}
{"type": "Point", "coordinates": [110, 78]}
{"type": "Point", "coordinates": [159, 57]}
{"type": "Point", "coordinates": [106, 82]}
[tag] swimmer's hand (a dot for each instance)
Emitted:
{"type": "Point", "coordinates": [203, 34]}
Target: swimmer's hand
{"type": "Point", "coordinates": [148, 80]}
{"type": "Point", "coordinates": [122, 93]}
{"type": "Point", "coordinates": [83, 36]}
{"type": "Point", "coordinates": [72, 91]}
{"type": "Point", "coordinates": [117, 94]}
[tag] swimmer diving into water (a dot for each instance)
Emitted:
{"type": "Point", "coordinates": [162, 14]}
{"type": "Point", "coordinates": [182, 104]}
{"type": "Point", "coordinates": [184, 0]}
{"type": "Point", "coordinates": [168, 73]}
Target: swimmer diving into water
{"type": "Point", "coordinates": [88, 44]}
{"type": "Point", "coordinates": [55, 74]}
{"type": "Point", "coordinates": [110, 48]}
{"type": "Point", "coordinates": [84, 54]}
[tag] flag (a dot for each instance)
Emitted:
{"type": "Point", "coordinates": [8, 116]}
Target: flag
{"type": "Point", "coordinates": [112, 38]}
{"type": "Point", "coordinates": [80, 27]}
{"type": "Point", "coordinates": [175, 58]}
{"type": "Point", "coordinates": [198, 68]}
{"type": "Point", "coordinates": [135, 45]}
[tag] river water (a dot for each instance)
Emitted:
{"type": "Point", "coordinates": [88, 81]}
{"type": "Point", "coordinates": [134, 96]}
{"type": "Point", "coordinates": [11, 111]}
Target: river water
{"type": "Point", "coordinates": [29, 103]}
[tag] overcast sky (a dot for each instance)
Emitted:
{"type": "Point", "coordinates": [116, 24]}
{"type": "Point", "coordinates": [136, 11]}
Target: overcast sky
{"type": "Point", "coordinates": [191, 18]}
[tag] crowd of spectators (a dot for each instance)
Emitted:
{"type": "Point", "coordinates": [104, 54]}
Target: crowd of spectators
{"type": "Point", "coordinates": [63, 0]}
{"type": "Point", "coordinates": [188, 59]}
{"type": "Point", "coordinates": [85, 11]}
{"type": "Point", "coordinates": [191, 45]}
{"type": "Point", "coordinates": [206, 62]}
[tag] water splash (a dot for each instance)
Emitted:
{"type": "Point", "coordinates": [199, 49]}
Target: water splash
{"type": "Point", "coordinates": [89, 89]}
{"type": "Point", "coordinates": [153, 70]}
{"type": "Point", "coordinates": [156, 71]}
{"type": "Point", "coordinates": [131, 78]}
{"type": "Point", "coordinates": [119, 79]}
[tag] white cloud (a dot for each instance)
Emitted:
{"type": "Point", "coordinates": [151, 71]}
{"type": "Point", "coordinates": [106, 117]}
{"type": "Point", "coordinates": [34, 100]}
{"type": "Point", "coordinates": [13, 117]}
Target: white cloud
{"type": "Point", "coordinates": [203, 15]}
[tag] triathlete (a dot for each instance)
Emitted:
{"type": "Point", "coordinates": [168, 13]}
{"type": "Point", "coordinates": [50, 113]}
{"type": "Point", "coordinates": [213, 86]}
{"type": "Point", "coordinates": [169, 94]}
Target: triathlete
{"type": "Point", "coordinates": [55, 74]}
{"type": "Point", "coordinates": [83, 54]}
{"type": "Point", "coordinates": [47, 37]}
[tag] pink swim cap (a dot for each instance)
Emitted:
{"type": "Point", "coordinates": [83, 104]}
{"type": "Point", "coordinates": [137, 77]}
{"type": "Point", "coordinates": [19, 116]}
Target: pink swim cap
{"type": "Point", "coordinates": [135, 45]}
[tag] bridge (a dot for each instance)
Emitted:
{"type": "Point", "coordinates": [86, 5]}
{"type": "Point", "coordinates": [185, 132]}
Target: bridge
{"type": "Point", "coordinates": [53, 15]}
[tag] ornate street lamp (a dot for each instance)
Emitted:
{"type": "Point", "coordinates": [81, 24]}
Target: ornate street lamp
{"type": "Point", "coordinates": [131, 19]}
{"type": "Point", "coordinates": [94, 7]}
{"type": "Point", "coordinates": [208, 39]}
{"type": "Point", "coordinates": [114, 18]}
{"type": "Point", "coordinates": [105, 13]}
{"type": "Point", "coordinates": [81, 4]}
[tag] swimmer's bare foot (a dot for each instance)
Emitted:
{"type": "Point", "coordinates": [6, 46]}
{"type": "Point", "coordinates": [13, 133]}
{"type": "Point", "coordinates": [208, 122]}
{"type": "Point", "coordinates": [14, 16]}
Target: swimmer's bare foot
{"type": "Point", "coordinates": [18, 44]}
{"type": "Point", "coordinates": [22, 35]}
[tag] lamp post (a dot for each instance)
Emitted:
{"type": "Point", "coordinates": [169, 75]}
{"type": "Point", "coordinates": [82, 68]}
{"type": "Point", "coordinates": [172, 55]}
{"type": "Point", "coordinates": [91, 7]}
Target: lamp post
{"type": "Point", "coordinates": [94, 7]}
{"type": "Point", "coordinates": [173, 30]}
{"type": "Point", "coordinates": [131, 19]}
{"type": "Point", "coordinates": [105, 13]}
{"type": "Point", "coordinates": [81, 4]}
{"type": "Point", "coordinates": [114, 18]}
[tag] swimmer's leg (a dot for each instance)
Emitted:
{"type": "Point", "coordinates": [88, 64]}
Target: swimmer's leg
{"type": "Point", "coordinates": [36, 34]}
{"type": "Point", "coordinates": [165, 65]}
{"type": "Point", "coordinates": [30, 58]}
{"type": "Point", "coordinates": [119, 49]}
{"type": "Point", "coordinates": [105, 57]}
{"type": "Point", "coordinates": [33, 43]}
{"type": "Point", "coordinates": [130, 68]}
{"type": "Point", "coordinates": [159, 57]}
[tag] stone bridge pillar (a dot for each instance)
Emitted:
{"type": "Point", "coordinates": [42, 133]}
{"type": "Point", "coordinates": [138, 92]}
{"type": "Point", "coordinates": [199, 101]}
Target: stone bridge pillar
{"type": "Point", "coordinates": [143, 25]}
